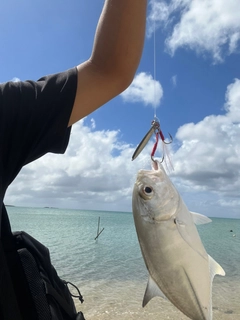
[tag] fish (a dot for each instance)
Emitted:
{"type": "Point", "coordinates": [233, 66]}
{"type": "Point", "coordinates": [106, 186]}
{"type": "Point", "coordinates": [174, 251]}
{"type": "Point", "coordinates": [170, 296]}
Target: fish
{"type": "Point", "coordinates": [178, 265]}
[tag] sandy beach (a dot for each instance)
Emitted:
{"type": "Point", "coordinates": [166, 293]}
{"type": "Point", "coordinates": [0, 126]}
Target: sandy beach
{"type": "Point", "coordinates": [122, 301]}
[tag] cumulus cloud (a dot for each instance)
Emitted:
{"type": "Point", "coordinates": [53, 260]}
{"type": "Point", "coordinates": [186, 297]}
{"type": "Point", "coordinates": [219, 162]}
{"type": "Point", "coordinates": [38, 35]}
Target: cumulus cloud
{"type": "Point", "coordinates": [159, 14]}
{"type": "Point", "coordinates": [232, 104]}
{"type": "Point", "coordinates": [96, 172]}
{"type": "Point", "coordinates": [144, 89]}
{"type": "Point", "coordinates": [211, 26]}
{"type": "Point", "coordinates": [208, 158]}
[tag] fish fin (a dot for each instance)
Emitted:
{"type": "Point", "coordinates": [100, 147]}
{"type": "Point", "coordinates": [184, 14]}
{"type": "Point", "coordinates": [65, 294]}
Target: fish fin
{"type": "Point", "coordinates": [189, 236]}
{"type": "Point", "coordinates": [200, 218]}
{"type": "Point", "coordinates": [215, 268]}
{"type": "Point", "coordinates": [152, 291]}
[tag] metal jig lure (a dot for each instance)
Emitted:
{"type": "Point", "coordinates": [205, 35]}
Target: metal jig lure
{"type": "Point", "coordinates": [155, 128]}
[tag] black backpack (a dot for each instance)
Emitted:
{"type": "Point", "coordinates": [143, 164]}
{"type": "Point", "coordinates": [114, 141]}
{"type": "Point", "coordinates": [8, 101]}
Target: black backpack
{"type": "Point", "coordinates": [30, 288]}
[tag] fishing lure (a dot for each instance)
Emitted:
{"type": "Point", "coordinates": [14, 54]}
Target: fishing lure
{"type": "Point", "coordinates": [155, 128]}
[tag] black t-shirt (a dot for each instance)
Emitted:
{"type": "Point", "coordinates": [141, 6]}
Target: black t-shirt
{"type": "Point", "coordinates": [33, 121]}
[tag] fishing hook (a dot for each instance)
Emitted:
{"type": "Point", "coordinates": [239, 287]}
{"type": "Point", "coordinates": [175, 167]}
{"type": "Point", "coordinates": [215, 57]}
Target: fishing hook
{"type": "Point", "coordinates": [163, 139]}
{"type": "Point", "coordinates": [159, 161]}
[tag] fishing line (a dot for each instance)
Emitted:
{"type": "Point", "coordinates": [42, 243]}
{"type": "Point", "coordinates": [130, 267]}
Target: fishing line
{"type": "Point", "coordinates": [155, 125]}
{"type": "Point", "coordinates": [154, 69]}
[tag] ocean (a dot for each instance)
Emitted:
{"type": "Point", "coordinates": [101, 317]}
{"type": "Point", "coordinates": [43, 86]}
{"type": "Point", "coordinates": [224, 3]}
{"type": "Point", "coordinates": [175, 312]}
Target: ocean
{"type": "Point", "coordinates": [110, 271]}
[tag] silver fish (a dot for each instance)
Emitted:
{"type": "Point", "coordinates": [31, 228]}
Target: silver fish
{"type": "Point", "coordinates": [178, 265]}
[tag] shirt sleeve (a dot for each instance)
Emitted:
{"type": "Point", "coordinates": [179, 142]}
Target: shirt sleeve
{"type": "Point", "coordinates": [34, 116]}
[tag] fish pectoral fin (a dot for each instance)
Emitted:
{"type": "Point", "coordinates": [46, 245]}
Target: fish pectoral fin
{"type": "Point", "coordinates": [215, 268]}
{"type": "Point", "coordinates": [200, 218]}
{"type": "Point", "coordinates": [152, 290]}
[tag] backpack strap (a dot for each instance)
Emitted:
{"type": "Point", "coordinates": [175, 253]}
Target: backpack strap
{"type": "Point", "coordinates": [15, 289]}
{"type": "Point", "coordinates": [8, 302]}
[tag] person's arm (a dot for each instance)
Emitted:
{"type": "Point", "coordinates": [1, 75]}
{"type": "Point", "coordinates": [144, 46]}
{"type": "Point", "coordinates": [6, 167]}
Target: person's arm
{"type": "Point", "coordinates": [115, 57]}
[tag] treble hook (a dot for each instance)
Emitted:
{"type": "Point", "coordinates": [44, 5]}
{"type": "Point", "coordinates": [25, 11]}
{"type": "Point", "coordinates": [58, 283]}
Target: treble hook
{"type": "Point", "coordinates": [163, 139]}
{"type": "Point", "coordinates": [164, 151]}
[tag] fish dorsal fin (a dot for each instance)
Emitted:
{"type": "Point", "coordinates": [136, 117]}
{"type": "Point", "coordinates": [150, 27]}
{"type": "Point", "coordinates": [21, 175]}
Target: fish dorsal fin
{"type": "Point", "coordinates": [200, 218]}
{"type": "Point", "coordinates": [152, 291]}
{"type": "Point", "coordinates": [215, 268]}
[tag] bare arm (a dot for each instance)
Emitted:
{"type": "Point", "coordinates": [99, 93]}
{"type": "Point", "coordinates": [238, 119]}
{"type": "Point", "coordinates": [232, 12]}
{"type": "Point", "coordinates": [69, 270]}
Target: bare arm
{"type": "Point", "coordinates": [115, 56]}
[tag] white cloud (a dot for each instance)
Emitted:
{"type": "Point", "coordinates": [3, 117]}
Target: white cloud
{"type": "Point", "coordinates": [233, 101]}
{"type": "Point", "coordinates": [174, 80]}
{"type": "Point", "coordinates": [209, 154]}
{"type": "Point", "coordinates": [144, 89]}
{"type": "Point", "coordinates": [96, 172]}
{"type": "Point", "coordinates": [211, 26]}
{"type": "Point", "coordinates": [93, 124]}
{"type": "Point", "coordinates": [159, 13]}
{"type": "Point", "coordinates": [15, 79]}
{"type": "Point", "coordinates": [230, 203]}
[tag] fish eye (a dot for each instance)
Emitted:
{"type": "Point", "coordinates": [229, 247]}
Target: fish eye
{"type": "Point", "coordinates": [147, 190]}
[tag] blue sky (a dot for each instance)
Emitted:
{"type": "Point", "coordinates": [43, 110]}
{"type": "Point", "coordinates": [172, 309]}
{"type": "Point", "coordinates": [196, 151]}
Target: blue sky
{"type": "Point", "coordinates": [197, 92]}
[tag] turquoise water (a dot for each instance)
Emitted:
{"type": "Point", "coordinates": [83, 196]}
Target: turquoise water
{"type": "Point", "coordinates": [110, 271]}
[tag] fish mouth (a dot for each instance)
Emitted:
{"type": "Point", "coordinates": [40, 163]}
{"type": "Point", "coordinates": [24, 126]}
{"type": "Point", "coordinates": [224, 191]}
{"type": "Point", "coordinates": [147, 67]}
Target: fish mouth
{"type": "Point", "coordinates": [156, 168]}
{"type": "Point", "coordinates": [155, 165]}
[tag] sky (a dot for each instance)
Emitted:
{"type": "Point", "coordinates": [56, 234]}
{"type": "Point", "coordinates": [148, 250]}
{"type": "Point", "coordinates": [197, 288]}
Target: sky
{"type": "Point", "coordinates": [189, 75]}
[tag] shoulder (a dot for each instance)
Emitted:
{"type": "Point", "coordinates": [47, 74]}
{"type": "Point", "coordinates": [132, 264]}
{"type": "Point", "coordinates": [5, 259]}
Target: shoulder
{"type": "Point", "coordinates": [50, 87]}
